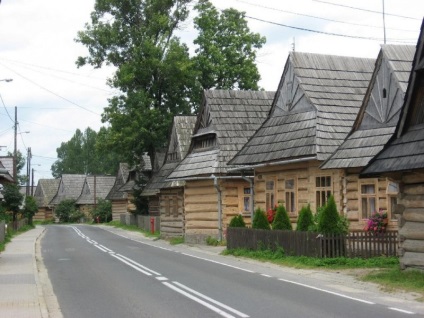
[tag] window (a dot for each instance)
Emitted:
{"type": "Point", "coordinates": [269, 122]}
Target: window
{"type": "Point", "coordinates": [246, 200]}
{"type": "Point", "coordinates": [368, 200]}
{"type": "Point", "coordinates": [323, 190]}
{"type": "Point", "coordinates": [270, 194]}
{"type": "Point", "coordinates": [290, 191]}
{"type": "Point", "coordinates": [392, 193]}
{"type": "Point", "coordinates": [171, 206]}
{"type": "Point", "coordinates": [173, 156]}
{"type": "Point", "coordinates": [205, 142]}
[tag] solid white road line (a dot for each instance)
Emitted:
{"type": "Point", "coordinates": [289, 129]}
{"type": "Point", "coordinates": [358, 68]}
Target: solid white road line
{"type": "Point", "coordinates": [131, 265]}
{"type": "Point", "coordinates": [198, 300]}
{"type": "Point", "coordinates": [239, 313]}
{"type": "Point", "coordinates": [100, 248]}
{"type": "Point", "coordinates": [327, 291]}
{"type": "Point", "coordinates": [139, 265]}
{"type": "Point", "coordinates": [220, 263]}
{"type": "Point", "coordinates": [402, 310]}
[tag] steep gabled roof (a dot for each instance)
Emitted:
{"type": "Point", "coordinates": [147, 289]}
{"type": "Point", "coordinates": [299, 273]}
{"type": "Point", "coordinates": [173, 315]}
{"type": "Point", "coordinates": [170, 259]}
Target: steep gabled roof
{"type": "Point", "coordinates": [121, 179]}
{"type": "Point", "coordinates": [70, 186]}
{"type": "Point", "coordinates": [230, 118]}
{"type": "Point", "coordinates": [98, 186]}
{"type": "Point", "coordinates": [45, 191]}
{"type": "Point", "coordinates": [6, 168]}
{"type": "Point", "coordinates": [178, 145]}
{"type": "Point", "coordinates": [316, 103]}
{"type": "Point", "coordinates": [380, 110]}
{"type": "Point", "coordinates": [405, 151]}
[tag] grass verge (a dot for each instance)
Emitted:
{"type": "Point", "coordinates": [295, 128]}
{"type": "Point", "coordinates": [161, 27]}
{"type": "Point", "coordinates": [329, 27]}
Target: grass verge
{"type": "Point", "coordinates": [384, 271]}
{"type": "Point", "coordinates": [133, 228]}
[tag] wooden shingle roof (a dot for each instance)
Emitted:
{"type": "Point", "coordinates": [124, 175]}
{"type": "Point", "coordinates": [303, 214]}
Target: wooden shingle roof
{"type": "Point", "coordinates": [120, 180]}
{"type": "Point", "coordinates": [6, 166]}
{"type": "Point", "coordinates": [45, 191]}
{"type": "Point", "coordinates": [98, 186]}
{"type": "Point", "coordinates": [380, 110]}
{"type": "Point", "coordinates": [178, 146]}
{"type": "Point", "coordinates": [316, 103]}
{"type": "Point", "coordinates": [70, 186]}
{"type": "Point", "coordinates": [405, 151]}
{"type": "Point", "coordinates": [231, 118]}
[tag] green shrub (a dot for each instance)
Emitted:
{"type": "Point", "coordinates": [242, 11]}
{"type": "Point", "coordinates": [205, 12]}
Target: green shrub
{"type": "Point", "coordinates": [211, 241]}
{"type": "Point", "coordinates": [67, 211]}
{"type": "Point", "coordinates": [237, 221]}
{"type": "Point", "coordinates": [306, 219]}
{"type": "Point", "coordinates": [260, 220]}
{"type": "Point", "coordinates": [281, 219]}
{"type": "Point", "coordinates": [103, 211]}
{"type": "Point", "coordinates": [329, 221]}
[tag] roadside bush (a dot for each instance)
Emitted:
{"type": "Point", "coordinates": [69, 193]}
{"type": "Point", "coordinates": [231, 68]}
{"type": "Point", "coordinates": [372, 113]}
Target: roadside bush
{"type": "Point", "coordinates": [103, 211]}
{"type": "Point", "coordinates": [329, 221]}
{"type": "Point", "coordinates": [260, 220]}
{"type": "Point", "coordinates": [305, 220]}
{"type": "Point", "coordinates": [237, 221]}
{"type": "Point", "coordinates": [281, 219]}
{"type": "Point", "coordinates": [67, 211]}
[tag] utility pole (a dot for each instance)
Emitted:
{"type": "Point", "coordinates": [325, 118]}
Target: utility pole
{"type": "Point", "coordinates": [29, 156]}
{"type": "Point", "coordinates": [15, 177]}
{"type": "Point", "coordinates": [32, 184]}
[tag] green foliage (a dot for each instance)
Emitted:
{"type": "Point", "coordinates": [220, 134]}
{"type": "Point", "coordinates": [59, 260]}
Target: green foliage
{"type": "Point", "coordinates": [103, 211]}
{"type": "Point", "coordinates": [155, 74]}
{"type": "Point", "coordinates": [329, 221]}
{"type": "Point", "coordinates": [306, 219]}
{"type": "Point", "coordinates": [30, 208]}
{"type": "Point", "coordinates": [12, 199]}
{"type": "Point", "coordinates": [176, 240]}
{"type": "Point", "coordinates": [67, 211]}
{"type": "Point", "coordinates": [237, 221]}
{"type": "Point", "coordinates": [226, 49]}
{"type": "Point", "coordinates": [83, 154]}
{"type": "Point", "coordinates": [212, 241]}
{"type": "Point", "coordinates": [260, 220]}
{"type": "Point", "coordinates": [20, 164]}
{"type": "Point", "coordinates": [281, 219]}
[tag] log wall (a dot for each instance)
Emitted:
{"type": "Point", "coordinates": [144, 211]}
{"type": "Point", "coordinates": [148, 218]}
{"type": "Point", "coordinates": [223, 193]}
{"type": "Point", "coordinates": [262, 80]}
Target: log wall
{"type": "Point", "coordinates": [118, 207]}
{"type": "Point", "coordinates": [304, 174]}
{"type": "Point", "coordinates": [43, 214]}
{"type": "Point", "coordinates": [411, 221]}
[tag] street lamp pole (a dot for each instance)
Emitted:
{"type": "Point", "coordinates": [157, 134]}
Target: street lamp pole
{"type": "Point", "coordinates": [15, 177]}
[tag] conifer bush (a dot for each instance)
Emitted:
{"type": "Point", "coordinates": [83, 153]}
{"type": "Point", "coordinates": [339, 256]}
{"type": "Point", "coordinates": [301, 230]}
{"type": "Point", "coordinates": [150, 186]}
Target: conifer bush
{"type": "Point", "coordinates": [281, 219]}
{"type": "Point", "coordinates": [329, 221]}
{"type": "Point", "coordinates": [237, 221]}
{"type": "Point", "coordinates": [260, 220]}
{"type": "Point", "coordinates": [305, 220]}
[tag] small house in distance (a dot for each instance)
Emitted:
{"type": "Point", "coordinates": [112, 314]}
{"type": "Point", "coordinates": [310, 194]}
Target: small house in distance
{"type": "Point", "coordinates": [95, 188]}
{"type": "Point", "coordinates": [402, 160]}
{"type": "Point", "coordinates": [119, 199]}
{"type": "Point", "coordinates": [317, 101]}
{"type": "Point", "coordinates": [374, 126]}
{"type": "Point", "coordinates": [70, 187]}
{"type": "Point", "coordinates": [44, 192]}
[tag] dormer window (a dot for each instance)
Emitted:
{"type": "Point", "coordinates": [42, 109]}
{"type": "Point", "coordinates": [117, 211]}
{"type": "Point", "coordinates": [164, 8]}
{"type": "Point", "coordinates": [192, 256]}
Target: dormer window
{"type": "Point", "coordinates": [173, 156]}
{"type": "Point", "coordinates": [205, 142]}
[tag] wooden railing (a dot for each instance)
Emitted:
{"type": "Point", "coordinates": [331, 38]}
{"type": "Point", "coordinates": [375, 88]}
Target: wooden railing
{"type": "Point", "coordinates": [355, 244]}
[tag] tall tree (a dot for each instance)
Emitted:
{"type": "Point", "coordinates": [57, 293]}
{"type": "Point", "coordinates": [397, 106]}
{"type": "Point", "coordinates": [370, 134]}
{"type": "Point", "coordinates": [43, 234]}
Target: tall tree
{"type": "Point", "coordinates": [20, 164]}
{"type": "Point", "coordinates": [154, 70]}
{"type": "Point", "coordinates": [83, 154]}
{"type": "Point", "coordinates": [226, 51]}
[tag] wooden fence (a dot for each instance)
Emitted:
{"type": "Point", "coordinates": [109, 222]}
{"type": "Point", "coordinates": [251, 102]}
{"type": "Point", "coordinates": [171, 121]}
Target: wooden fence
{"type": "Point", "coordinates": [355, 244]}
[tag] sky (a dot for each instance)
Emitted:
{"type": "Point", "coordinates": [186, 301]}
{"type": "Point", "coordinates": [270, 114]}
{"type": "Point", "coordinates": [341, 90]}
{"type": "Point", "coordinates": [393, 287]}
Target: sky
{"type": "Point", "coordinates": [53, 97]}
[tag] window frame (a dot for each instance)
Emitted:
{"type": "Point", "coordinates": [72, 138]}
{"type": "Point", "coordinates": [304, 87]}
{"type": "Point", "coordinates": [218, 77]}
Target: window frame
{"type": "Point", "coordinates": [292, 200]}
{"type": "Point", "coordinates": [324, 191]}
{"type": "Point", "coordinates": [367, 197]}
{"type": "Point", "coordinates": [270, 194]}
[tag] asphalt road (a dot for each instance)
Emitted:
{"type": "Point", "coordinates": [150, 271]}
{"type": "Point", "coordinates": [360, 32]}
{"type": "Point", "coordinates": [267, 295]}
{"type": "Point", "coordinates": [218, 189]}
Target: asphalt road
{"type": "Point", "coordinates": [97, 273]}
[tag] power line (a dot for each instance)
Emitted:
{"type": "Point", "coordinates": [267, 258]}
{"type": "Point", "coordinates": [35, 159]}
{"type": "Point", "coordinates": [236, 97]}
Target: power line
{"type": "Point", "coordinates": [50, 91]}
{"type": "Point", "coordinates": [321, 18]}
{"type": "Point", "coordinates": [5, 108]}
{"type": "Point", "coordinates": [326, 33]}
{"type": "Point", "coordinates": [366, 10]}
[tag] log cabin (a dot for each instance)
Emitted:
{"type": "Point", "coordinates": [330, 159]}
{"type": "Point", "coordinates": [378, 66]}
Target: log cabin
{"type": "Point", "coordinates": [212, 196]}
{"type": "Point", "coordinates": [317, 101]}
{"type": "Point", "coordinates": [170, 194]}
{"type": "Point", "coordinates": [118, 198]}
{"type": "Point", "coordinates": [44, 192]}
{"type": "Point", "coordinates": [70, 187]}
{"type": "Point", "coordinates": [402, 160]}
{"type": "Point", "coordinates": [95, 188]}
{"type": "Point", "coordinates": [374, 126]}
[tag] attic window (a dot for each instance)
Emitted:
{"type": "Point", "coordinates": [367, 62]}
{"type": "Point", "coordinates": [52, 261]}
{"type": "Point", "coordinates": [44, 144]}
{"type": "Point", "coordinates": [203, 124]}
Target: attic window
{"type": "Point", "coordinates": [172, 156]}
{"type": "Point", "coordinates": [205, 142]}
{"type": "Point", "coordinates": [384, 93]}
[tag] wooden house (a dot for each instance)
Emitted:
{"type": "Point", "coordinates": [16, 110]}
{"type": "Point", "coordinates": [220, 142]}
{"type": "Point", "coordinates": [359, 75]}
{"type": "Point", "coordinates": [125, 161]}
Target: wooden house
{"type": "Point", "coordinates": [212, 196]}
{"type": "Point", "coordinates": [6, 170]}
{"type": "Point", "coordinates": [119, 199]}
{"type": "Point", "coordinates": [317, 101]}
{"type": "Point", "coordinates": [94, 188]}
{"type": "Point", "coordinates": [44, 192]}
{"type": "Point", "coordinates": [374, 126]}
{"type": "Point", "coordinates": [402, 160]}
{"type": "Point", "coordinates": [170, 194]}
